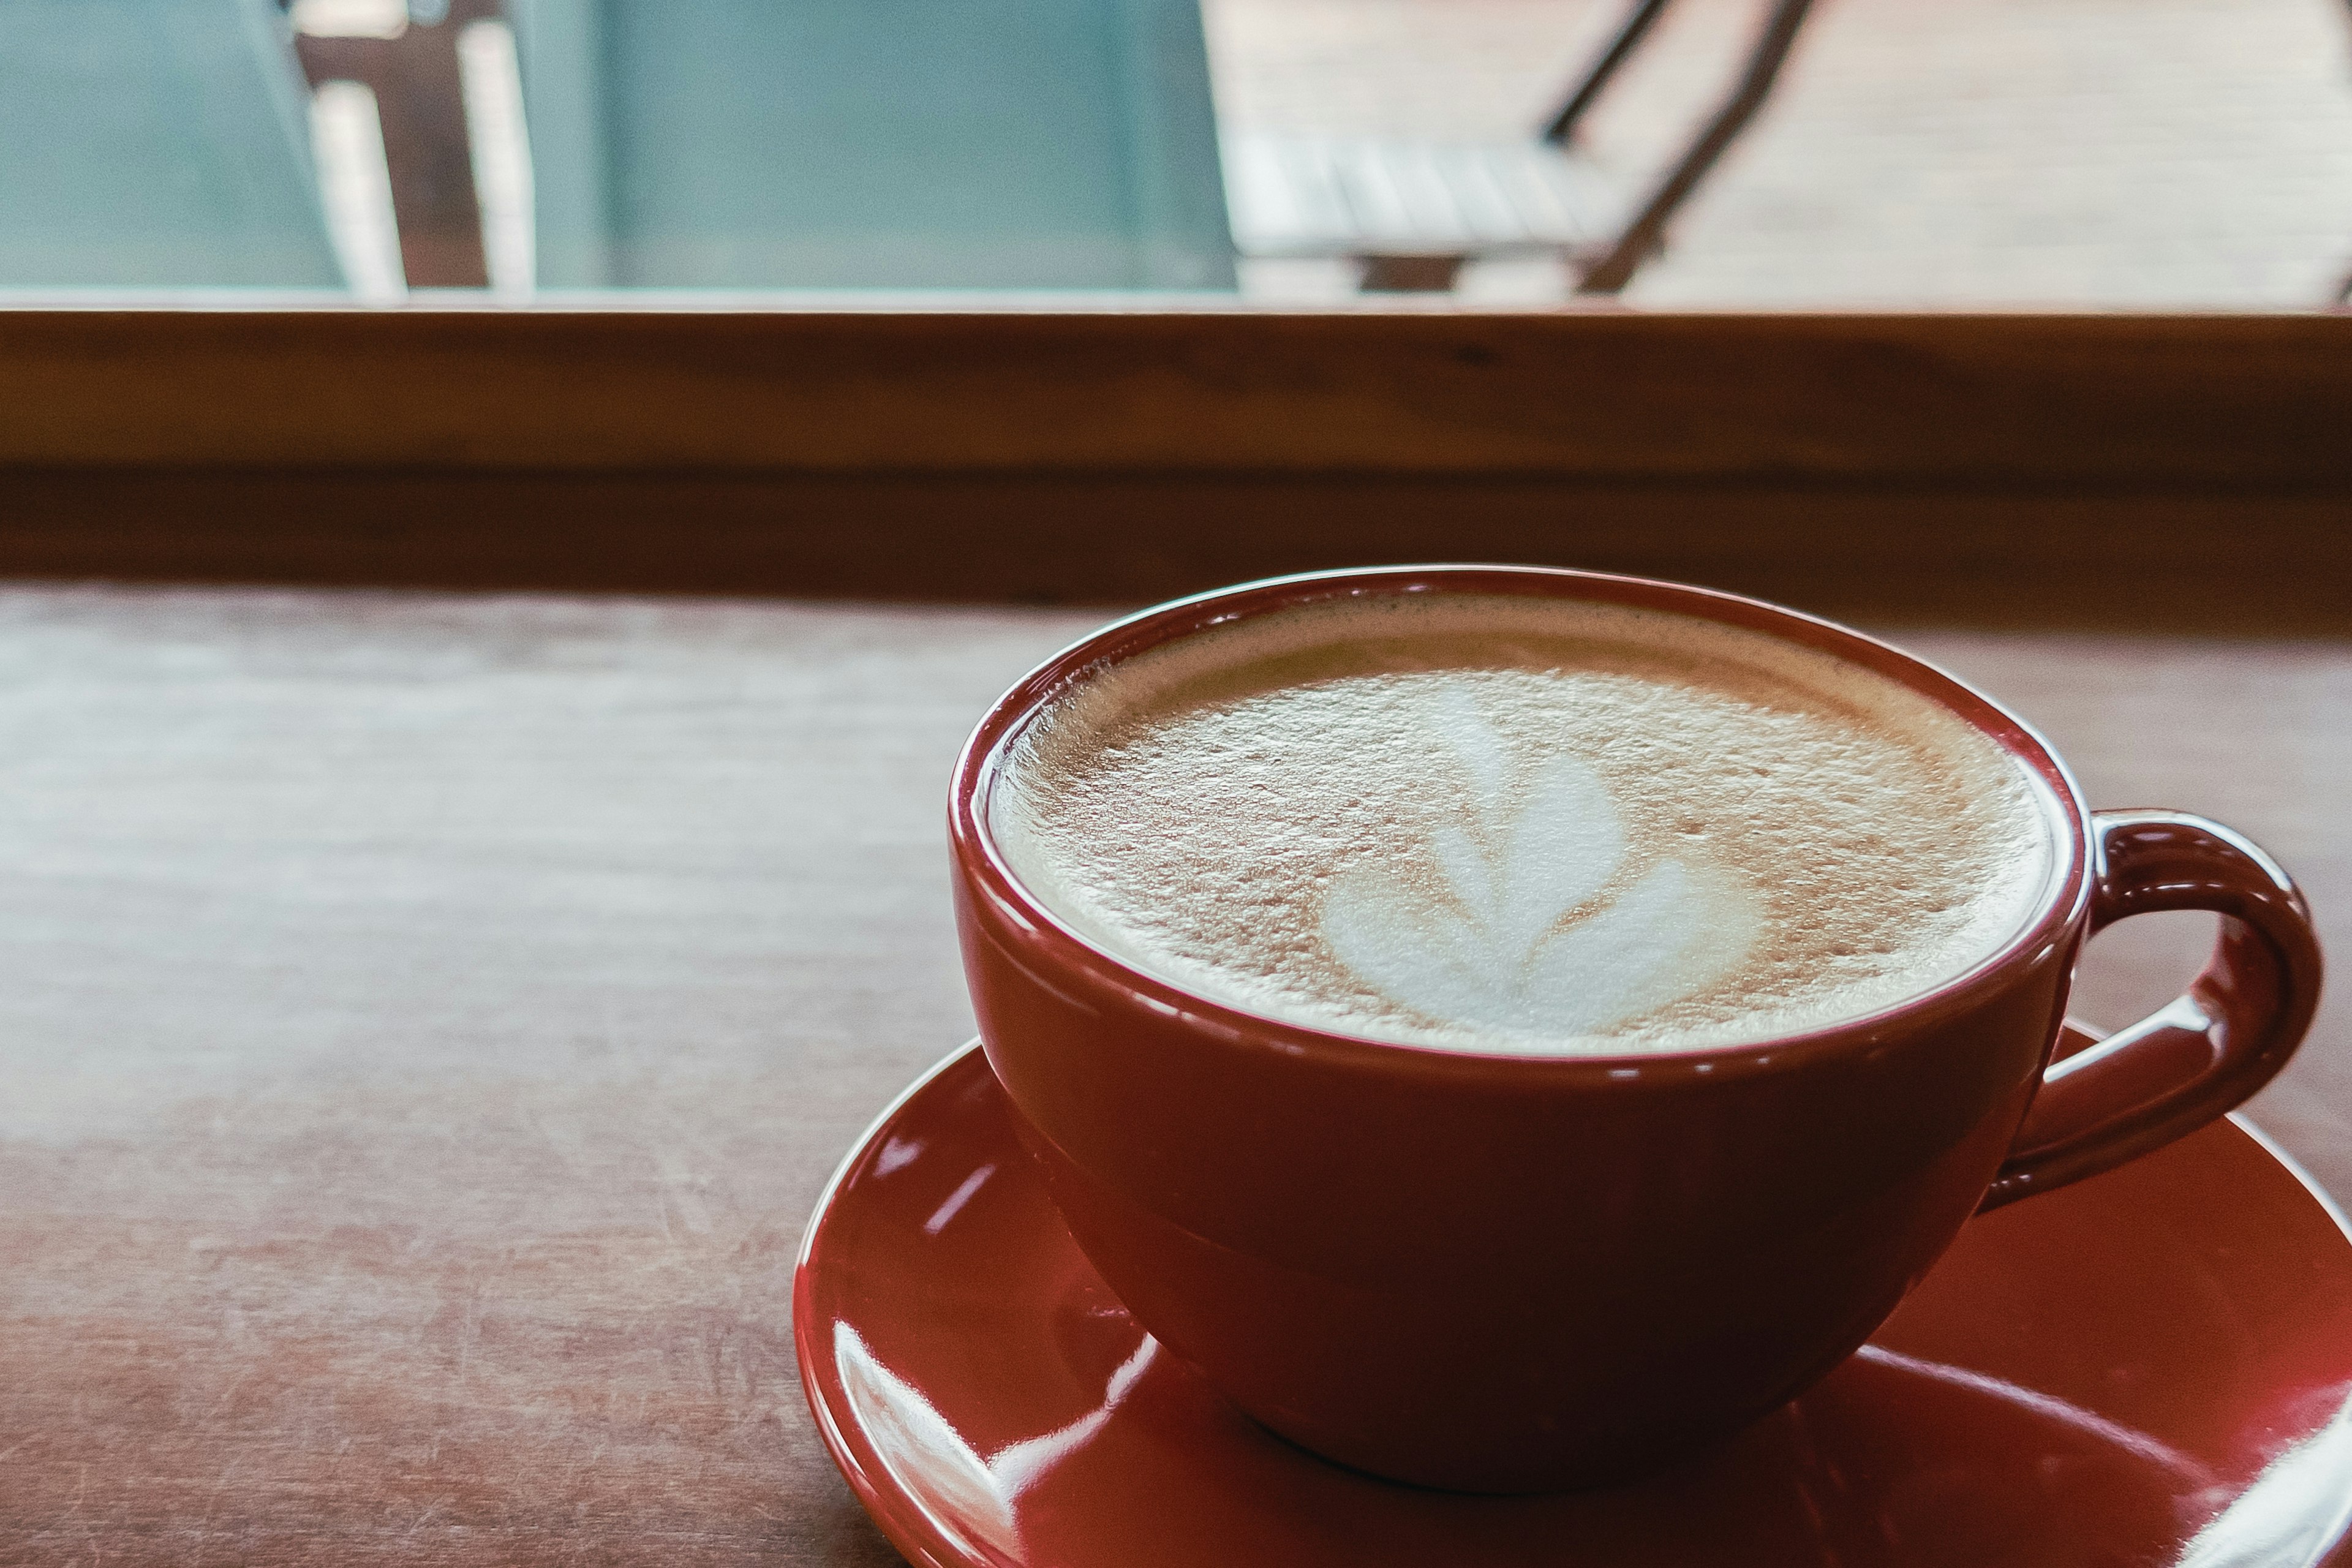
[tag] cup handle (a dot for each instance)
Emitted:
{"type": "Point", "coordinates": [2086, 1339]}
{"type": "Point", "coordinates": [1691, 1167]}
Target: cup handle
{"type": "Point", "coordinates": [2224, 1038]}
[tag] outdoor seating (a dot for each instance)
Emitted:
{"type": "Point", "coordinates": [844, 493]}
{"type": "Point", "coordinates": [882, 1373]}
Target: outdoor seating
{"type": "Point", "coordinates": [1414, 212]}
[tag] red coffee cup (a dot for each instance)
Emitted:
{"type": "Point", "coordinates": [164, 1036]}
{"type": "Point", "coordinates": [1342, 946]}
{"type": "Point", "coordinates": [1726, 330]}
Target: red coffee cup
{"type": "Point", "coordinates": [1511, 1273]}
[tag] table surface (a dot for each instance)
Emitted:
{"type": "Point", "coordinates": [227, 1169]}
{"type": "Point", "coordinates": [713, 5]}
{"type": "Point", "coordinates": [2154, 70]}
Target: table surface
{"type": "Point", "coordinates": [428, 1021]}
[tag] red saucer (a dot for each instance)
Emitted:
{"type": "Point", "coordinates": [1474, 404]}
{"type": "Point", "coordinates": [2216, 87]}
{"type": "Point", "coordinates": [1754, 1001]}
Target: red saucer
{"type": "Point", "coordinates": [2154, 1367]}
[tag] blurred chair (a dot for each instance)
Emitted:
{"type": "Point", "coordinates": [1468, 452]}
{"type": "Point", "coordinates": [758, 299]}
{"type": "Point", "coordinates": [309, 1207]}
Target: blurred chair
{"type": "Point", "coordinates": [156, 143]}
{"type": "Point", "coordinates": [872, 143]}
{"type": "Point", "coordinates": [1414, 212]}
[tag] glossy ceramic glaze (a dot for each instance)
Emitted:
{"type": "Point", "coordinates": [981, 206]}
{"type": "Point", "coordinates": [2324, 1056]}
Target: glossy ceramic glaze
{"type": "Point", "coordinates": [1509, 1273]}
{"type": "Point", "coordinates": [2153, 1368]}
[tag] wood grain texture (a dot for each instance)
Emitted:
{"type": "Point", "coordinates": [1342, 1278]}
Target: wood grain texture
{"type": "Point", "coordinates": [2228, 401]}
{"type": "Point", "coordinates": [2043, 471]}
{"type": "Point", "coordinates": [426, 1022]}
{"type": "Point", "coordinates": [2247, 563]}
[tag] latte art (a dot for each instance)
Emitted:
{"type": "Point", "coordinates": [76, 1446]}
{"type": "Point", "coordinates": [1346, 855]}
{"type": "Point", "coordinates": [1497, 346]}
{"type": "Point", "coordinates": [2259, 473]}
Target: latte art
{"type": "Point", "coordinates": [1504, 824]}
{"type": "Point", "coordinates": [1516, 936]}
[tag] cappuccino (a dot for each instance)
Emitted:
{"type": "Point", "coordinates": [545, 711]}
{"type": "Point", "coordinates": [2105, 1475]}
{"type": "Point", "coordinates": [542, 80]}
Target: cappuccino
{"type": "Point", "coordinates": [1499, 823]}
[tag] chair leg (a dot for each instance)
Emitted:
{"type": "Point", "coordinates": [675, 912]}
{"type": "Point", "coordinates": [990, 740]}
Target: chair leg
{"type": "Point", "coordinates": [1641, 238]}
{"type": "Point", "coordinates": [1410, 274]}
{"type": "Point", "coordinates": [1619, 49]}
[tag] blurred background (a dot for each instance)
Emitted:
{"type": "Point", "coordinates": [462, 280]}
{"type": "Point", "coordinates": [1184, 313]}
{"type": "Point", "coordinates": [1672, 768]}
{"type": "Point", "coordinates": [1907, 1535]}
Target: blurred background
{"type": "Point", "coordinates": [2127, 152]}
{"type": "Point", "coordinates": [2134, 154]}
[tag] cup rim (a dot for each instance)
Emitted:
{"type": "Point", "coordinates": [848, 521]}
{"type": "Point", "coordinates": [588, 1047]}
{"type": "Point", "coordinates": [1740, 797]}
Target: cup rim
{"type": "Point", "coordinates": [1075, 960]}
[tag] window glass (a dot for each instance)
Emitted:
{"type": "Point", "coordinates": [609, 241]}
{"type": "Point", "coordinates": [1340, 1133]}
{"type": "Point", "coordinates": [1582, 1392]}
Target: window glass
{"type": "Point", "coordinates": [1686, 153]}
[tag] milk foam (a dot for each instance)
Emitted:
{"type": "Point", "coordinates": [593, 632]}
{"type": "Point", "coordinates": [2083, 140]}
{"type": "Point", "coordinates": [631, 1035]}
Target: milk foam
{"type": "Point", "coordinates": [1505, 824]}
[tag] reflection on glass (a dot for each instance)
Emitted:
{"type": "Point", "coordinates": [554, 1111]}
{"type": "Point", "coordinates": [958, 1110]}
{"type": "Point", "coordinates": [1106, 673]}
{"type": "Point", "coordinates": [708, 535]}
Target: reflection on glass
{"type": "Point", "coordinates": [347, 139]}
{"type": "Point", "coordinates": [350, 18]}
{"type": "Point", "coordinates": [568, 144]}
{"type": "Point", "coordinates": [499, 141]}
{"type": "Point", "coordinates": [726, 150]}
{"type": "Point", "coordinates": [1017, 143]}
{"type": "Point", "coordinates": [156, 143]}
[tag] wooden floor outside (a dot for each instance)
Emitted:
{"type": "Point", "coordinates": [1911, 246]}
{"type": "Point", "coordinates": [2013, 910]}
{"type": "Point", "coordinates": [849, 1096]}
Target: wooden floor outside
{"type": "Point", "coordinates": [2146, 153]}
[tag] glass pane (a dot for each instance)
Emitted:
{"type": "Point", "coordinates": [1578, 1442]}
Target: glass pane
{"type": "Point", "coordinates": [156, 143]}
{"type": "Point", "coordinates": [2137, 153]}
{"type": "Point", "coordinates": [718, 152]}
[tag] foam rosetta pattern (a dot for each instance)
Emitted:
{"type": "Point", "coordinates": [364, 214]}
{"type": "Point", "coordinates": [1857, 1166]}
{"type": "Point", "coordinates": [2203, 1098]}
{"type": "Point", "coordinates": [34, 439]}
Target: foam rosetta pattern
{"type": "Point", "coordinates": [1522, 825]}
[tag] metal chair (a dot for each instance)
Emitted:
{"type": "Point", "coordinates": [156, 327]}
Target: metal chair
{"type": "Point", "coordinates": [1414, 212]}
{"type": "Point", "coordinates": [156, 143]}
{"type": "Point", "coordinates": [873, 144]}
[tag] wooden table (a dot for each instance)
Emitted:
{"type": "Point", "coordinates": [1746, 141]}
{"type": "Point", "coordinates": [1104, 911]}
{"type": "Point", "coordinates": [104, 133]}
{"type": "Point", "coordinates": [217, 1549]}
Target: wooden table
{"type": "Point", "coordinates": [429, 1020]}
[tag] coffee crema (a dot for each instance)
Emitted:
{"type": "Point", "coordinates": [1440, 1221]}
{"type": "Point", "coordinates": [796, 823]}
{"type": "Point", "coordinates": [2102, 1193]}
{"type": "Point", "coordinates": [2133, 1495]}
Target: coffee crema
{"type": "Point", "coordinates": [1498, 823]}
